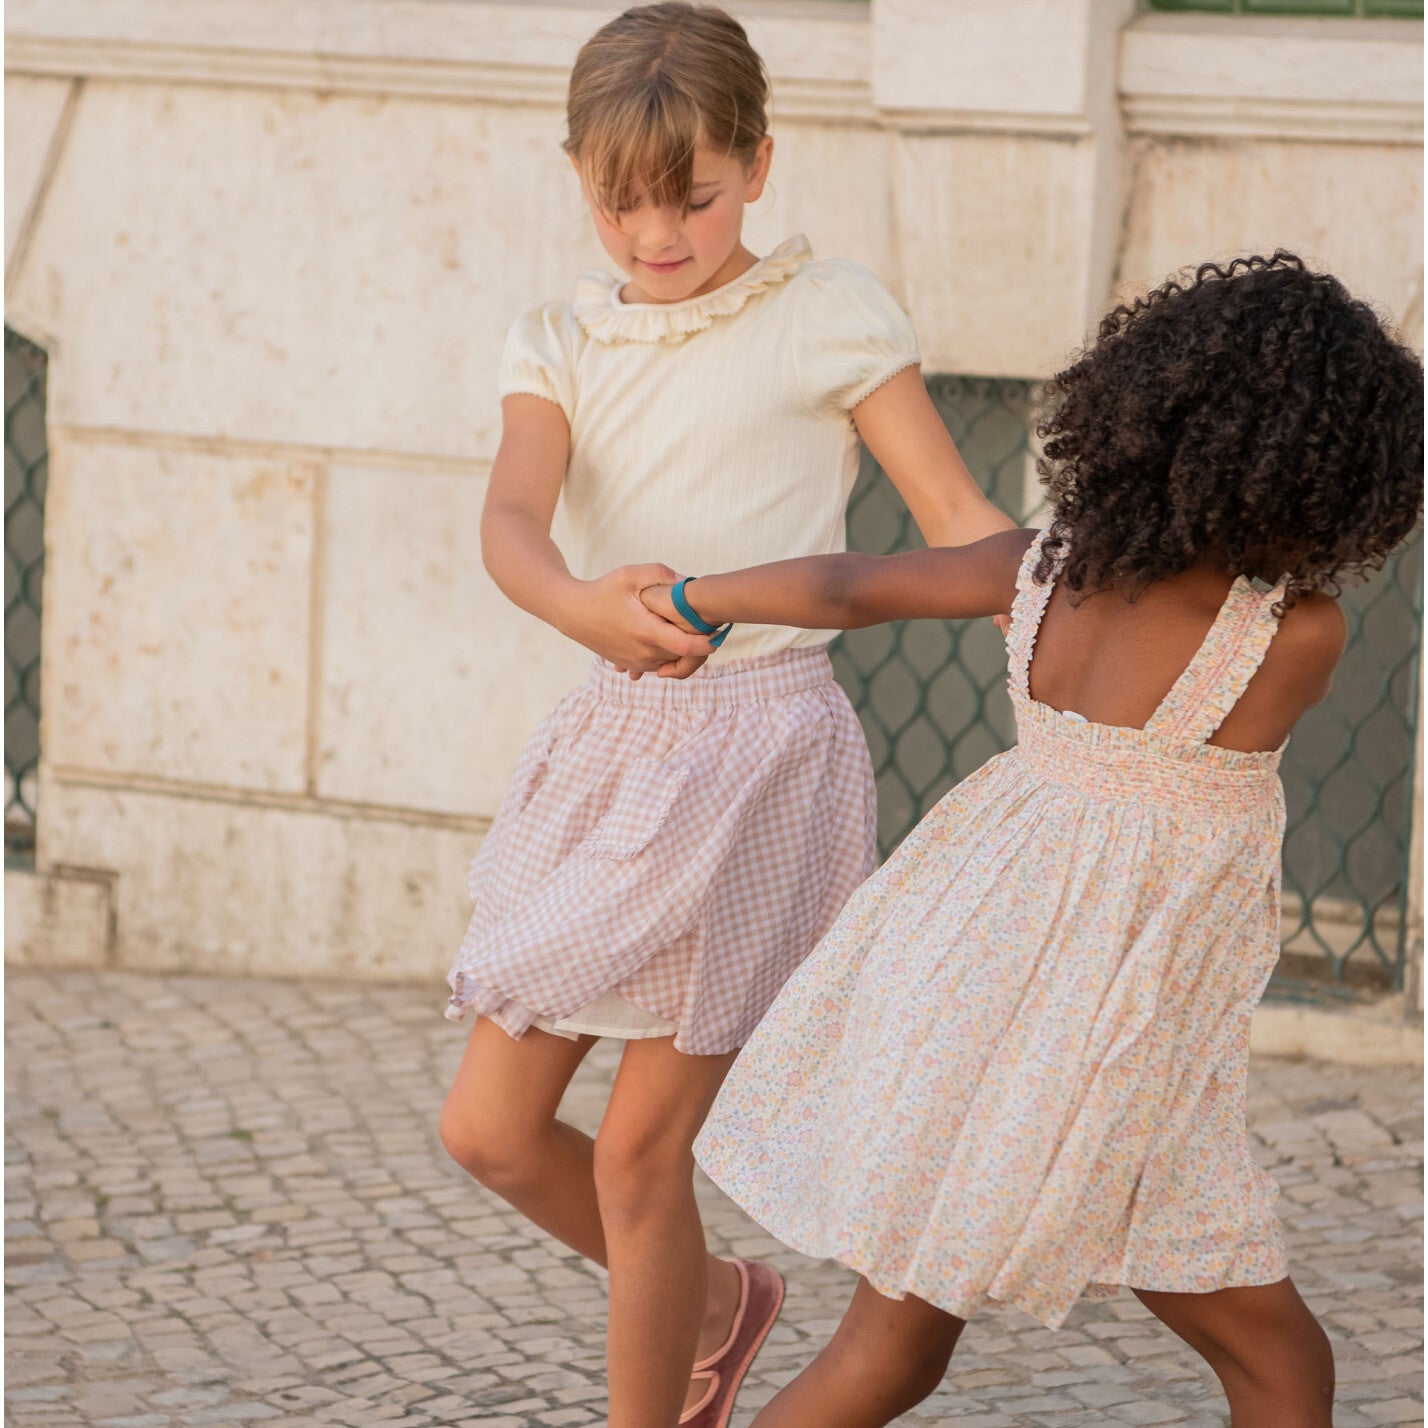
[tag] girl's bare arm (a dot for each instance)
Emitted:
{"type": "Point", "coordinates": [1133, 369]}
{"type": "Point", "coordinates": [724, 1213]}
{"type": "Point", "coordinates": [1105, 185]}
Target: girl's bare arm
{"type": "Point", "coordinates": [604, 615]}
{"type": "Point", "coordinates": [900, 426]}
{"type": "Point", "coordinates": [846, 592]}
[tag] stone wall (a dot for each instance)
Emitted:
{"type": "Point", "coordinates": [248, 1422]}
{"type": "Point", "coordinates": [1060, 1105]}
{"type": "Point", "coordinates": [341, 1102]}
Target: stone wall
{"type": "Point", "coordinates": [272, 250]}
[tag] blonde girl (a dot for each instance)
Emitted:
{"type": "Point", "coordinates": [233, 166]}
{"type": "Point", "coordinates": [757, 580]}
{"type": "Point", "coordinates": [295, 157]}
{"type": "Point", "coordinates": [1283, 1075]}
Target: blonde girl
{"type": "Point", "coordinates": [670, 850]}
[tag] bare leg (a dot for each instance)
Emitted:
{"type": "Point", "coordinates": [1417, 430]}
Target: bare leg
{"type": "Point", "coordinates": [660, 1279]}
{"type": "Point", "coordinates": [885, 1357]}
{"type": "Point", "coordinates": [1268, 1351]}
{"type": "Point", "coordinates": [499, 1125]}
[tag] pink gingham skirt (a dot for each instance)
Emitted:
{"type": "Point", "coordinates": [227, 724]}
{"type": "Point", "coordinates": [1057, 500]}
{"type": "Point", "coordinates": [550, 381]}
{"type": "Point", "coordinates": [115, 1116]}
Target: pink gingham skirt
{"type": "Point", "coordinates": [682, 843]}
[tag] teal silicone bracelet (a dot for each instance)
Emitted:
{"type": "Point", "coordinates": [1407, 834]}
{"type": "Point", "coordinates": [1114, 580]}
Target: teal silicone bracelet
{"type": "Point", "coordinates": [716, 633]}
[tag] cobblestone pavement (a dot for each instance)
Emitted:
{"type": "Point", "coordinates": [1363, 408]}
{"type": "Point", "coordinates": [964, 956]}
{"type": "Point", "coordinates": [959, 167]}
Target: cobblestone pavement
{"type": "Point", "coordinates": [227, 1205]}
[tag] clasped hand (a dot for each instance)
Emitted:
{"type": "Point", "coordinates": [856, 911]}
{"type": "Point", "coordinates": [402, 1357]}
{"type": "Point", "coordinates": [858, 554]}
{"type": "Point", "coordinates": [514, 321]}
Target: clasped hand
{"type": "Point", "coordinates": [624, 619]}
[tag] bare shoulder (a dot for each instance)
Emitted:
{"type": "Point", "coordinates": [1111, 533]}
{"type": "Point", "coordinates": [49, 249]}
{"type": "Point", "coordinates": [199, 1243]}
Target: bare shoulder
{"type": "Point", "coordinates": [1000, 552]}
{"type": "Point", "coordinates": [1019, 538]}
{"type": "Point", "coordinates": [1314, 629]}
{"type": "Point", "coordinates": [1307, 646]}
{"type": "Point", "coordinates": [1009, 545]}
{"type": "Point", "coordinates": [997, 558]}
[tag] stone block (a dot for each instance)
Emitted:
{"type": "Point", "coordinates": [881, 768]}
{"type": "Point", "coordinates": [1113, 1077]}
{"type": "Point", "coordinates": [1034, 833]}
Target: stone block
{"type": "Point", "coordinates": [432, 680]}
{"type": "Point", "coordinates": [238, 888]}
{"type": "Point", "coordinates": [58, 919]}
{"type": "Point", "coordinates": [1383, 1033]}
{"type": "Point", "coordinates": [1006, 173]}
{"type": "Point", "coordinates": [34, 109]}
{"type": "Point", "coordinates": [1367, 62]}
{"type": "Point", "coordinates": [291, 266]}
{"type": "Point", "coordinates": [176, 614]}
{"type": "Point", "coordinates": [1031, 58]}
{"type": "Point", "coordinates": [996, 248]}
{"type": "Point", "coordinates": [1354, 209]}
{"type": "Point", "coordinates": [807, 192]}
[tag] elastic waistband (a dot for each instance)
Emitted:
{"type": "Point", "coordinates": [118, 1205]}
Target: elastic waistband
{"type": "Point", "coordinates": [738, 681]}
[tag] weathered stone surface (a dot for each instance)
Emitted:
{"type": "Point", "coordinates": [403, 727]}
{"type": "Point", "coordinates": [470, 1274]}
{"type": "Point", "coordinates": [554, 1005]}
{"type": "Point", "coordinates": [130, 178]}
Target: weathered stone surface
{"type": "Point", "coordinates": [33, 108]}
{"type": "Point", "coordinates": [1385, 1033]}
{"type": "Point", "coordinates": [807, 193]}
{"type": "Point", "coordinates": [961, 259]}
{"type": "Point", "coordinates": [1355, 209]}
{"type": "Point", "coordinates": [57, 919]}
{"type": "Point", "coordinates": [432, 680]}
{"type": "Point", "coordinates": [241, 888]}
{"type": "Point", "coordinates": [295, 267]}
{"type": "Point", "coordinates": [177, 598]}
{"type": "Point", "coordinates": [1040, 60]}
{"type": "Point", "coordinates": [227, 1204]}
{"type": "Point", "coordinates": [1371, 65]}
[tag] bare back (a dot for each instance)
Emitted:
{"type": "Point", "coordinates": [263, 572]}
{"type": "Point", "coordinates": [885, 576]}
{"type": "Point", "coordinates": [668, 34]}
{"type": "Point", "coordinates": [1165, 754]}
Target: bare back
{"type": "Point", "coordinates": [1113, 660]}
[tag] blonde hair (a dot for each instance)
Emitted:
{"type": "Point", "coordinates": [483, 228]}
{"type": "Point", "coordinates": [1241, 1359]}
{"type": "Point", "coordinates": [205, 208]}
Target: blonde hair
{"type": "Point", "coordinates": [650, 86]}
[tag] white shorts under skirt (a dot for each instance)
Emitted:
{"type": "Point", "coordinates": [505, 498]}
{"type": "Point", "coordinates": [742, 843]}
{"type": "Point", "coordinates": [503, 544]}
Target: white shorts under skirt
{"type": "Point", "coordinates": [608, 1015]}
{"type": "Point", "coordinates": [681, 845]}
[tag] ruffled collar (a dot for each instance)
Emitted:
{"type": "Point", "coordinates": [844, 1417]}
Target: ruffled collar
{"type": "Point", "coordinates": [605, 318]}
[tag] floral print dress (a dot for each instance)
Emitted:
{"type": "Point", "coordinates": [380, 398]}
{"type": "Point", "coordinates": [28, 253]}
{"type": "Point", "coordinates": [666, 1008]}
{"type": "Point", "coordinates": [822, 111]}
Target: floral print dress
{"type": "Point", "coordinates": [1014, 1070]}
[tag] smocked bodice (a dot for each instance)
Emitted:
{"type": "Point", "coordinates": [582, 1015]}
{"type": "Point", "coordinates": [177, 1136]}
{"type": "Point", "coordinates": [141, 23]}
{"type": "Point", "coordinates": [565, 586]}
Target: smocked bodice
{"type": "Point", "coordinates": [1168, 762]}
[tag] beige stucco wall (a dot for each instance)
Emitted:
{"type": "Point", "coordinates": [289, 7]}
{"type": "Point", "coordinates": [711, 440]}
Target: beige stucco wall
{"type": "Point", "coordinates": [272, 251]}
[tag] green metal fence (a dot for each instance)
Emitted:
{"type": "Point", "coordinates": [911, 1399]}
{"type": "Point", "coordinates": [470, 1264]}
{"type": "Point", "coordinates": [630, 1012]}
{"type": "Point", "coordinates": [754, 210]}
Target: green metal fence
{"type": "Point", "coordinates": [933, 702]}
{"type": "Point", "coordinates": [1348, 779]}
{"type": "Point", "coordinates": [932, 696]}
{"type": "Point", "coordinates": [26, 476]}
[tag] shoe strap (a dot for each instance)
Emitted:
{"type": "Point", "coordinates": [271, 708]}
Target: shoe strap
{"type": "Point", "coordinates": [745, 1285]}
{"type": "Point", "coordinates": [691, 1413]}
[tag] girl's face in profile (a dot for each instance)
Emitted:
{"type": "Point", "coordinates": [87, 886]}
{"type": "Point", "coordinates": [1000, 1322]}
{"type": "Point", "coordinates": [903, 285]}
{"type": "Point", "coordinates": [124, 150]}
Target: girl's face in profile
{"type": "Point", "coordinates": [671, 256]}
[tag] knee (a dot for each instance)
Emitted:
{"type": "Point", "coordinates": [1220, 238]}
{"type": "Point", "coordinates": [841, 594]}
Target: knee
{"type": "Point", "coordinates": [1300, 1371]}
{"type": "Point", "coordinates": [1282, 1357]}
{"type": "Point", "coordinates": [1318, 1359]}
{"type": "Point", "coordinates": [501, 1157]}
{"type": "Point", "coordinates": [638, 1174]}
{"type": "Point", "coordinates": [912, 1367]}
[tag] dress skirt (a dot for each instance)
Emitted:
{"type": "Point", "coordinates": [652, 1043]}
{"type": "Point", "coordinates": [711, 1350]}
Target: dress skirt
{"type": "Point", "coordinates": [1014, 1071]}
{"type": "Point", "coordinates": [678, 845]}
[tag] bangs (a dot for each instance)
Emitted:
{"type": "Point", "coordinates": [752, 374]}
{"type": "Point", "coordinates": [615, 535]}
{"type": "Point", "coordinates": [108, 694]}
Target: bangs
{"type": "Point", "coordinates": [633, 152]}
{"type": "Point", "coordinates": [651, 86]}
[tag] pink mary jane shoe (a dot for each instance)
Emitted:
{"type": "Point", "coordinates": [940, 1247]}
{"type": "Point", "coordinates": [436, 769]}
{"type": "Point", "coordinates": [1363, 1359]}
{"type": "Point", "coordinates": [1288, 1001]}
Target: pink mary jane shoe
{"type": "Point", "coordinates": [760, 1299]}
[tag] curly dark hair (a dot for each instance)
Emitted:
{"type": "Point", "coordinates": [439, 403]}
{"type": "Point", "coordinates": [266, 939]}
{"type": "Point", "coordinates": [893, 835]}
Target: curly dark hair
{"type": "Point", "coordinates": [1256, 414]}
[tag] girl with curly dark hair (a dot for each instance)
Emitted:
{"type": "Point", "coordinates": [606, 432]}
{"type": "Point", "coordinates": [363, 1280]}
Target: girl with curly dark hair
{"type": "Point", "coordinates": [1014, 1070]}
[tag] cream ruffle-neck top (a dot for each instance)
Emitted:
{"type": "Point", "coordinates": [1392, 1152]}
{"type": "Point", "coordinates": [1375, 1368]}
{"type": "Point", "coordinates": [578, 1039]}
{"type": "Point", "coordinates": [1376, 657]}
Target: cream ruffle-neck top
{"type": "Point", "coordinates": [717, 432]}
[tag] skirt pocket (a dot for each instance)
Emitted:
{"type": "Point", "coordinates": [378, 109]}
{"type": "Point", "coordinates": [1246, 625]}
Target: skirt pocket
{"type": "Point", "coordinates": [642, 803]}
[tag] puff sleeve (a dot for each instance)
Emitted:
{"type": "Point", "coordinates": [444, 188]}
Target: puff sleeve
{"type": "Point", "coordinates": [849, 337]}
{"type": "Point", "coordinates": [539, 359]}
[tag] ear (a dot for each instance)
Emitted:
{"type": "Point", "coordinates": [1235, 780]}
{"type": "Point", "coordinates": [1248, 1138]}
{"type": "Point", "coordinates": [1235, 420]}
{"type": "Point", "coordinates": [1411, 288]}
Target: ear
{"type": "Point", "coordinates": [759, 169]}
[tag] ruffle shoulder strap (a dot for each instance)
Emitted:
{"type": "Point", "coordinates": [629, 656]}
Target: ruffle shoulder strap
{"type": "Point", "coordinates": [1027, 610]}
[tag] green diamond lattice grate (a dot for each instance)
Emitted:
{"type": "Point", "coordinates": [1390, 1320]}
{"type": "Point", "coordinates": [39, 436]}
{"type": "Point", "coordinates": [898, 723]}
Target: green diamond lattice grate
{"type": "Point", "coordinates": [26, 476]}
